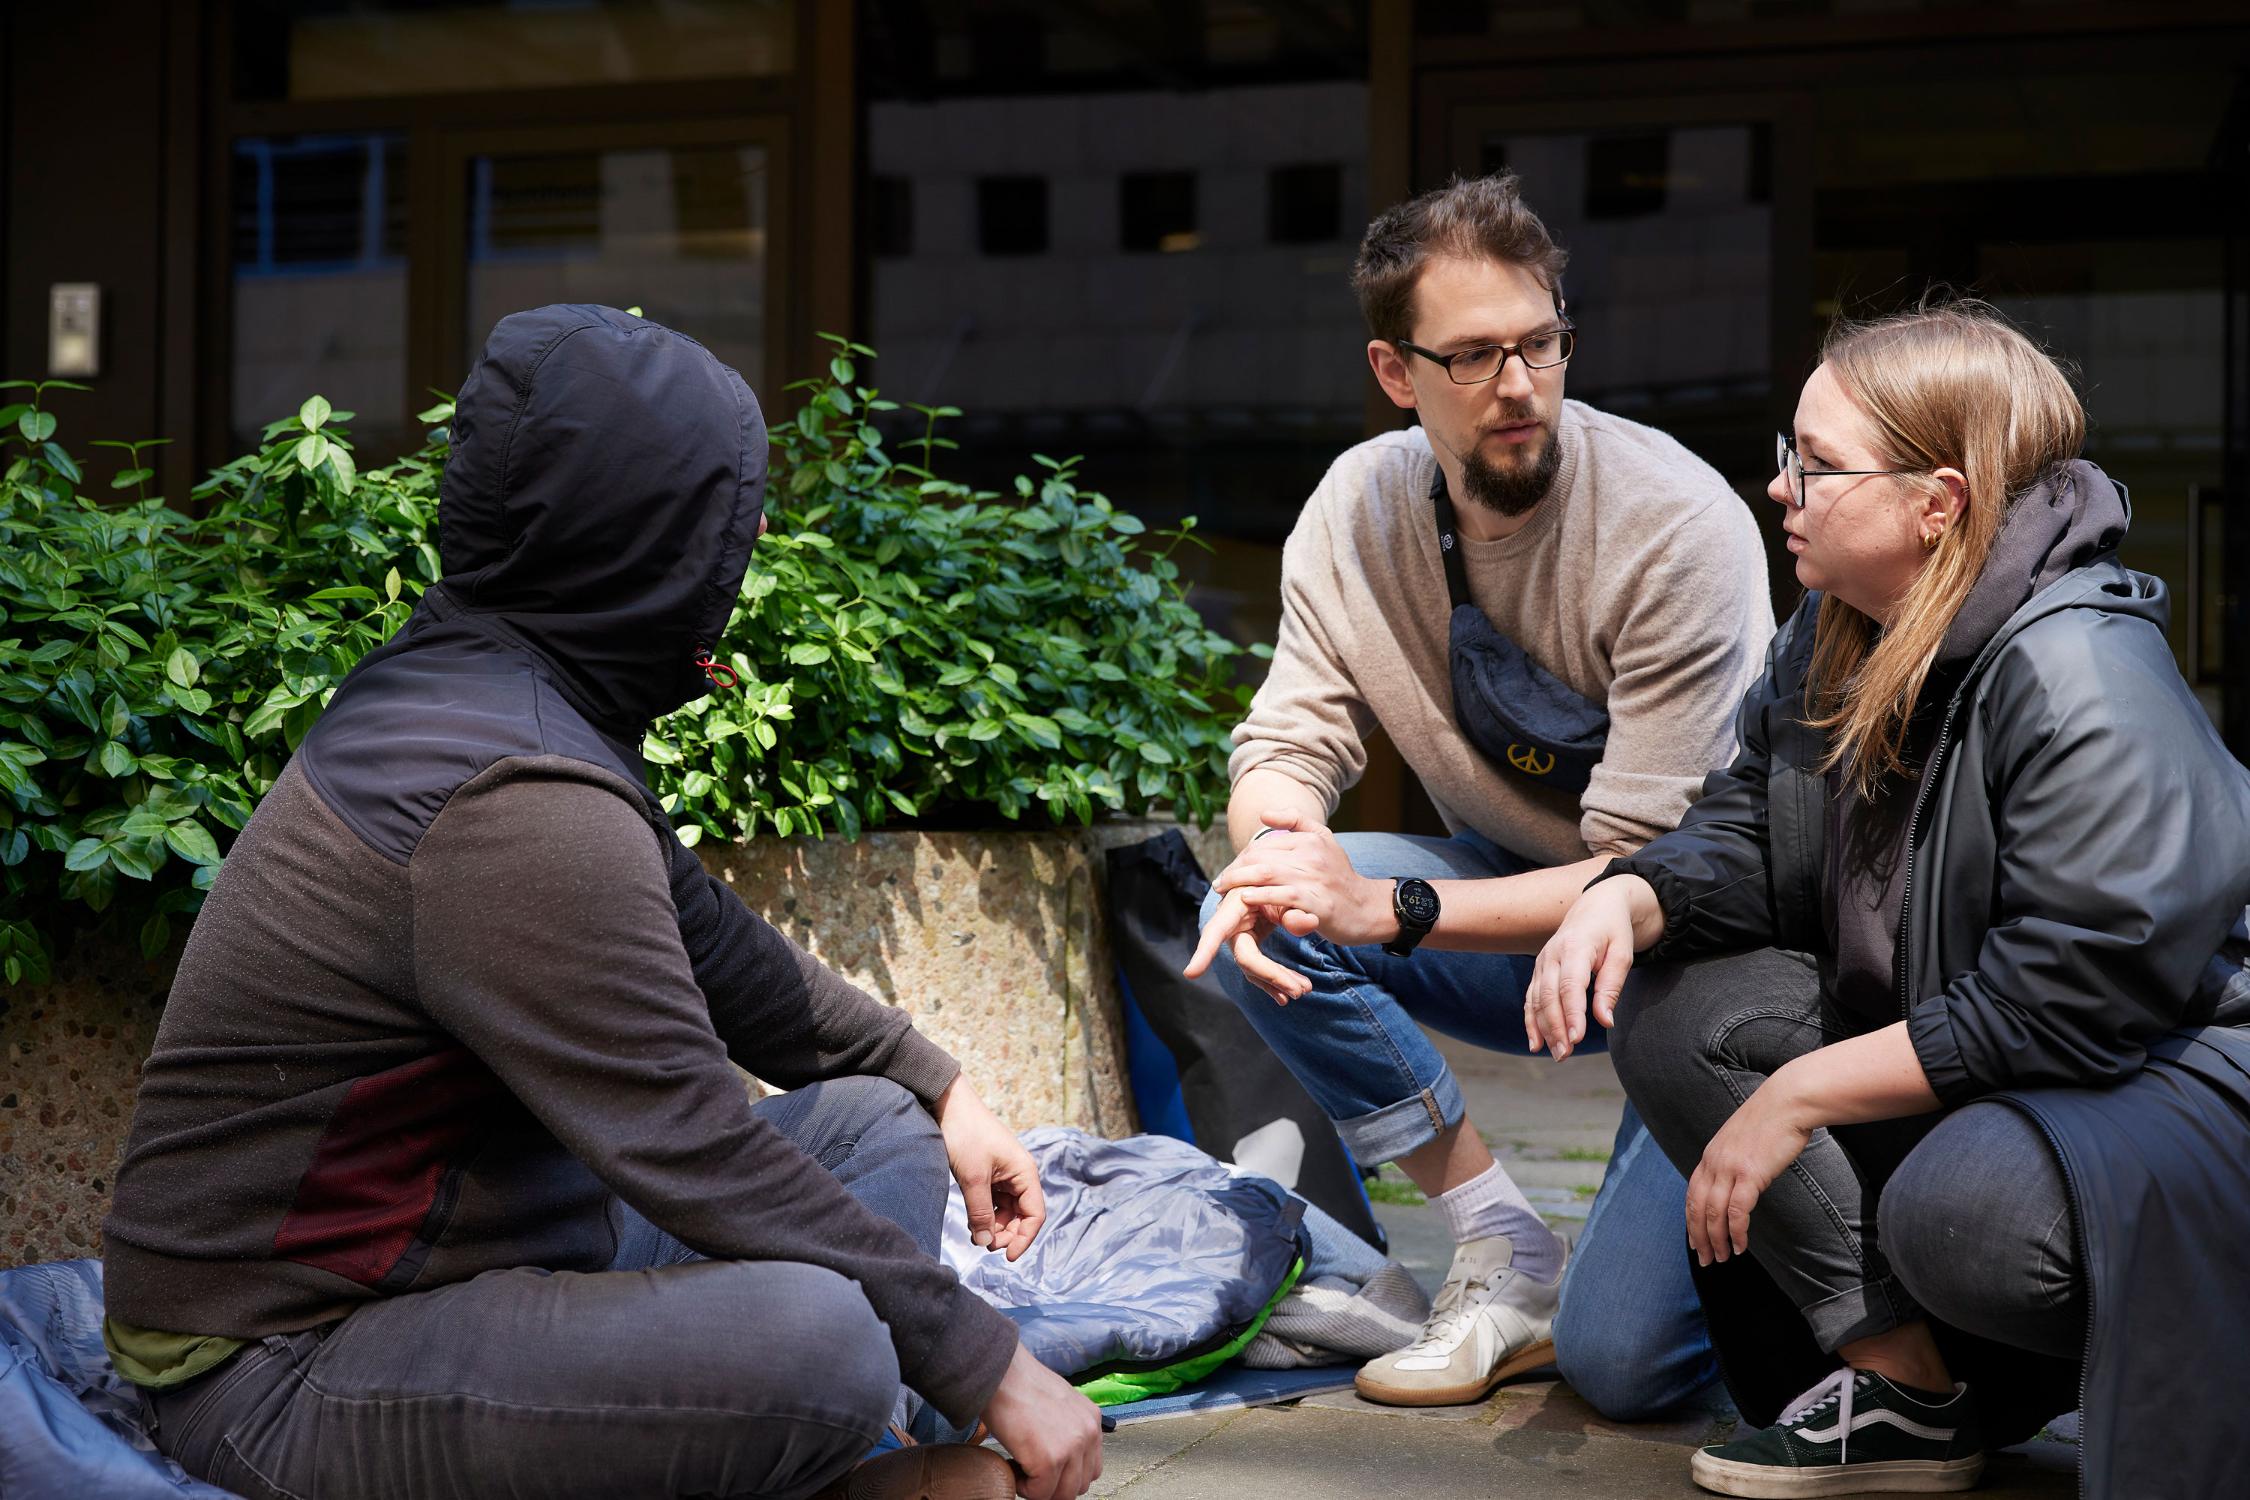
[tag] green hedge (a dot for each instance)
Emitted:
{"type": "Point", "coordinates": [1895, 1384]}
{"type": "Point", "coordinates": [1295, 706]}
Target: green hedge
{"type": "Point", "coordinates": [907, 647]}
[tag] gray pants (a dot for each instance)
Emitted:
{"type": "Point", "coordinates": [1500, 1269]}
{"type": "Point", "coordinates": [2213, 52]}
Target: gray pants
{"type": "Point", "coordinates": [665, 1376]}
{"type": "Point", "coordinates": [1963, 1215]}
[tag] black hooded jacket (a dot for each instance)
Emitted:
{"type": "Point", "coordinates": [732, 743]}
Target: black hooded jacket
{"type": "Point", "coordinates": [458, 983]}
{"type": "Point", "coordinates": [2063, 929]}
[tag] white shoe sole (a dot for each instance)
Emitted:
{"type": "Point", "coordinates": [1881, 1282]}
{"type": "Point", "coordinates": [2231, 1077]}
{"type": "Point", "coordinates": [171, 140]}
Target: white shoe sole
{"type": "Point", "coordinates": [1908, 1476]}
{"type": "Point", "coordinates": [1529, 1357]}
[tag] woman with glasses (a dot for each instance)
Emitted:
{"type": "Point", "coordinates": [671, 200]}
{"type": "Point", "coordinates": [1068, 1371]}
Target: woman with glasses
{"type": "Point", "coordinates": [1935, 993]}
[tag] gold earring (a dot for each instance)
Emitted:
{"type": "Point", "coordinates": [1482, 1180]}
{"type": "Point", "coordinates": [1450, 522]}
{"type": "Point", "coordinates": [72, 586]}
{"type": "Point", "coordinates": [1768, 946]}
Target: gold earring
{"type": "Point", "coordinates": [1930, 539]}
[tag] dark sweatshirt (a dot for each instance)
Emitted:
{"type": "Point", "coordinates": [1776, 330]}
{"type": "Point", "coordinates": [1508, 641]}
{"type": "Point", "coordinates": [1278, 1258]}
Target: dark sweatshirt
{"type": "Point", "coordinates": [458, 983]}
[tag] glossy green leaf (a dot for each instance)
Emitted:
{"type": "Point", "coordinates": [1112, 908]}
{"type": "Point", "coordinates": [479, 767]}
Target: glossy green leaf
{"type": "Point", "coordinates": [192, 842]}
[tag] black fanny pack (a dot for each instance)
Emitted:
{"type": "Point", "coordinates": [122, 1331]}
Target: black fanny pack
{"type": "Point", "coordinates": [1520, 716]}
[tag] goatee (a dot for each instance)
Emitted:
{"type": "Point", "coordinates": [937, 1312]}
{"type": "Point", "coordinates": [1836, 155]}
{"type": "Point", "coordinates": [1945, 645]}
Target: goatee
{"type": "Point", "coordinates": [1513, 490]}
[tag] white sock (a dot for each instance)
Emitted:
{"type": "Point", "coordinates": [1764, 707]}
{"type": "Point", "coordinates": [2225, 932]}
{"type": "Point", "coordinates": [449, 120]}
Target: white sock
{"type": "Point", "coordinates": [1491, 1203]}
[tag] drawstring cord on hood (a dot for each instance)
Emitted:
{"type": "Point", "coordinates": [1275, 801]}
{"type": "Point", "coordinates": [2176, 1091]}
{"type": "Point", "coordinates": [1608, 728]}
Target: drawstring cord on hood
{"type": "Point", "coordinates": [721, 675]}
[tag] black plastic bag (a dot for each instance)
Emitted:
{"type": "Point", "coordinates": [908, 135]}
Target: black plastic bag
{"type": "Point", "coordinates": [1200, 1073]}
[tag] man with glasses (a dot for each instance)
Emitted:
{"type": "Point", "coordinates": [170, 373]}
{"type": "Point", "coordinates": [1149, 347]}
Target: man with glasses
{"type": "Point", "coordinates": [1553, 613]}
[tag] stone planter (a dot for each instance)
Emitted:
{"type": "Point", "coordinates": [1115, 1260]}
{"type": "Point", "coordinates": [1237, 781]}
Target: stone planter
{"type": "Point", "coordinates": [994, 942]}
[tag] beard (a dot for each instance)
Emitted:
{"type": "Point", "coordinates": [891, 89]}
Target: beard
{"type": "Point", "coordinates": [1513, 488]}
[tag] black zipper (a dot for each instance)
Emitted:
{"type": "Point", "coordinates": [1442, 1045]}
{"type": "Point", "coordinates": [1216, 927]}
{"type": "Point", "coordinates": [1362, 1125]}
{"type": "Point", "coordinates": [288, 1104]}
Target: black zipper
{"type": "Point", "coordinates": [1914, 832]}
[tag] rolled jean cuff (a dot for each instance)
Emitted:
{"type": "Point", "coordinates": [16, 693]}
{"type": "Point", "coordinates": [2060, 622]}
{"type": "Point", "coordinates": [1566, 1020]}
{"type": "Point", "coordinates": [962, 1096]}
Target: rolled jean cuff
{"type": "Point", "coordinates": [1390, 1132]}
{"type": "Point", "coordinates": [1874, 1307]}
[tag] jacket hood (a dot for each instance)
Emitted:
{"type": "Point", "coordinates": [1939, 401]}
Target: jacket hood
{"type": "Point", "coordinates": [2061, 524]}
{"type": "Point", "coordinates": [604, 488]}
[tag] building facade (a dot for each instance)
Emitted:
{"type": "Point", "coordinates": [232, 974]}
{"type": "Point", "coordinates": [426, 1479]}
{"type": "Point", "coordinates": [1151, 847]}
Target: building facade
{"type": "Point", "coordinates": [1124, 230]}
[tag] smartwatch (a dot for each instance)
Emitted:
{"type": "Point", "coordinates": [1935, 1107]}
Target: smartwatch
{"type": "Point", "coordinates": [1415, 904]}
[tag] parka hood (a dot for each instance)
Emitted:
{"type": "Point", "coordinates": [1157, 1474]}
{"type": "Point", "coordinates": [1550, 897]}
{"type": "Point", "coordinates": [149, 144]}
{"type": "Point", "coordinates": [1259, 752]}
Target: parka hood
{"type": "Point", "coordinates": [604, 488]}
{"type": "Point", "coordinates": [2065, 522]}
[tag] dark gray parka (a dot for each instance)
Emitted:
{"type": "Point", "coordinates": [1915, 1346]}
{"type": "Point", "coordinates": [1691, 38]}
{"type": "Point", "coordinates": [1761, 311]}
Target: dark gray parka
{"type": "Point", "coordinates": [2072, 941]}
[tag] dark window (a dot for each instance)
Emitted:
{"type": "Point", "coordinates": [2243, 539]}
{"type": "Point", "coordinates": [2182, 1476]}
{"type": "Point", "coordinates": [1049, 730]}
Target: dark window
{"type": "Point", "coordinates": [319, 201]}
{"type": "Point", "coordinates": [1305, 204]}
{"type": "Point", "coordinates": [890, 217]}
{"type": "Point", "coordinates": [536, 204]}
{"type": "Point", "coordinates": [319, 286]}
{"type": "Point", "coordinates": [1012, 215]}
{"type": "Point", "coordinates": [1156, 211]}
{"type": "Point", "coordinates": [1625, 175]}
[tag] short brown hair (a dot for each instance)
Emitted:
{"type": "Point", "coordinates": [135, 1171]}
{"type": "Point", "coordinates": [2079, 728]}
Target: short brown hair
{"type": "Point", "coordinates": [1476, 217]}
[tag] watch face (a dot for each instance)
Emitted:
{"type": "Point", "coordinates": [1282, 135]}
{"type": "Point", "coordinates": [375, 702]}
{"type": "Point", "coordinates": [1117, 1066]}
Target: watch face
{"type": "Point", "coordinates": [1417, 903]}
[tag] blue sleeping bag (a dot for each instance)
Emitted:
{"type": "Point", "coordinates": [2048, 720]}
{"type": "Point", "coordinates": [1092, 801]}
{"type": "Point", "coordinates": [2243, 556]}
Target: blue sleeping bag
{"type": "Point", "coordinates": [70, 1426]}
{"type": "Point", "coordinates": [1152, 1253]}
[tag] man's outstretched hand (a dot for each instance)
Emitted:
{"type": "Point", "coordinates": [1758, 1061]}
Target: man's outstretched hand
{"type": "Point", "coordinates": [1053, 1433]}
{"type": "Point", "coordinates": [999, 1182]}
{"type": "Point", "coordinates": [1296, 880]}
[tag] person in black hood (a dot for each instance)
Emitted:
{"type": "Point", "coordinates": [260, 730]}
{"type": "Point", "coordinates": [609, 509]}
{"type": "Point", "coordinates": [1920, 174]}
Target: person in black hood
{"type": "Point", "coordinates": [1944, 996]}
{"type": "Point", "coordinates": [441, 1179]}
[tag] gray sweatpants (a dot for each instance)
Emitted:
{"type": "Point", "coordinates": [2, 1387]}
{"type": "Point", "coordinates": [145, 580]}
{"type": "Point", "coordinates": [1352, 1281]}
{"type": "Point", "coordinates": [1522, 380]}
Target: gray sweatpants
{"type": "Point", "coordinates": [1964, 1215]}
{"type": "Point", "coordinates": [665, 1376]}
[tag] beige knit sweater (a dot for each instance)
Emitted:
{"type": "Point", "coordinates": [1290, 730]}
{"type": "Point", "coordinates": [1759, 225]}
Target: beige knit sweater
{"type": "Point", "coordinates": [1639, 581]}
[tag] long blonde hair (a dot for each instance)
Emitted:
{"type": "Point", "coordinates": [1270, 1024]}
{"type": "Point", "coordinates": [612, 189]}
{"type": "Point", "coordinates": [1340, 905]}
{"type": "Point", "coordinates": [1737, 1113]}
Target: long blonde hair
{"type": "Point", "coordinates": [1952, 386]}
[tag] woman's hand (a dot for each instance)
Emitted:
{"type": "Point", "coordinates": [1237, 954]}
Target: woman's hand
{"type": "Point", "coordinates": [1756, 1145]}
{"type": "Point", "coordinates": [999, 1181]}
{"type": "Point", "coordinates": [1594, 945]}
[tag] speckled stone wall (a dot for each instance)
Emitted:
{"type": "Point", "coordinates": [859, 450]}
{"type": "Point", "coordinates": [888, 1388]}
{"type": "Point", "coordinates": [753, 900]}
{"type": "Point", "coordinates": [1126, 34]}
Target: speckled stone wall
{"type": "Point", "coordinates": [994, 943]}
{"type": "Point", "coordinates": [70, 1058]}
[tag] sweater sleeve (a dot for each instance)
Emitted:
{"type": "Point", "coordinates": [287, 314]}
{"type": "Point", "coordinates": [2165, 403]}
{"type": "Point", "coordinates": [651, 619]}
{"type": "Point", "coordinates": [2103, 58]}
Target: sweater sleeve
{"type": "Point", "coordinates": [1698, 617]}
{"type": "Point", "coordinates": [547, 942]}
{"type": "Point", "coordinates": [782, 1013]}
{"type": "Point", "coordinates": [1309, 719]}
{"type": "Point", "coordinates": [1713, 875]}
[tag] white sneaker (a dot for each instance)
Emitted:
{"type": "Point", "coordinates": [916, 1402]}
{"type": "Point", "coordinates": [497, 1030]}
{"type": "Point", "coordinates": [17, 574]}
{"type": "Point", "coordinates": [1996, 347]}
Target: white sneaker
{"type": "Point", "coordinates": [1490, 1323]}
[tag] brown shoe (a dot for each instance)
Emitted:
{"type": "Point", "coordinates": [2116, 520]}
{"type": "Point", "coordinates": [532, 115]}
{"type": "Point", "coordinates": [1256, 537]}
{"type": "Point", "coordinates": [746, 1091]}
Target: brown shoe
{"type": "Point", "coordinates": [929, 1471]}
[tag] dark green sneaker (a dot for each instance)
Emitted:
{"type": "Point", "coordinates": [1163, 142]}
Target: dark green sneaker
{"type": "Point", "coordinates": [1855, 1433]}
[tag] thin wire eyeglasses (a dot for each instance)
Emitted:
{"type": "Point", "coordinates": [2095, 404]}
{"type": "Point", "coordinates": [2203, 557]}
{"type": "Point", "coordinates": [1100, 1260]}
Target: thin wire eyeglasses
{"type": "Point", "coordinates": [1787, 460]}
{"type": "Point", "coordinates": [1541, 351]}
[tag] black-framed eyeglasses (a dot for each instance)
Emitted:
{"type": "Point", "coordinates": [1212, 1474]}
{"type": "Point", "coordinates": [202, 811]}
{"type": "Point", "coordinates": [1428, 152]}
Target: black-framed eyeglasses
{"type": "Point", "coordinates": [1789, 462]}
{"type": "Point", "coordinates": [1542, 351]}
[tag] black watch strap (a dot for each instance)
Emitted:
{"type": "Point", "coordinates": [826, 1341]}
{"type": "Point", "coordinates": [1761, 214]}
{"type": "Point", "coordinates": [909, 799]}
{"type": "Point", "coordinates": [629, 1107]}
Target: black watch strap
{"type": "Point", "coordinates": [1415, 904]}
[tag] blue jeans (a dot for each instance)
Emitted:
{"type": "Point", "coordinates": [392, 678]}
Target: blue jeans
{"type": "Point", "coordinates": [666, 1375]}
{"type": "Point", "coordinates": [1630, 1336]}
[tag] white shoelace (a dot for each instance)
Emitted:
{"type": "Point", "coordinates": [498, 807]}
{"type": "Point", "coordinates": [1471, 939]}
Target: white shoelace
{"type": "Point", "coordinates": [1450, 1317]}
{"type": "Point", "coordinates": [1838, 1388]}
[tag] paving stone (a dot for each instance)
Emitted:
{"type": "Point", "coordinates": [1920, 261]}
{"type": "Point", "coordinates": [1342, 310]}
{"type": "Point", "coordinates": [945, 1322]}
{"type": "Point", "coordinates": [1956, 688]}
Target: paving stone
{"type": "Point", "coordinates": [1551, 1406]}
{"type": "Point", "coordinates": [1139, 1448]}
{"type": "Point", "coordinates": [1351, 1401]}
{"type": "Point", "coordinates": [1325, 1454]}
